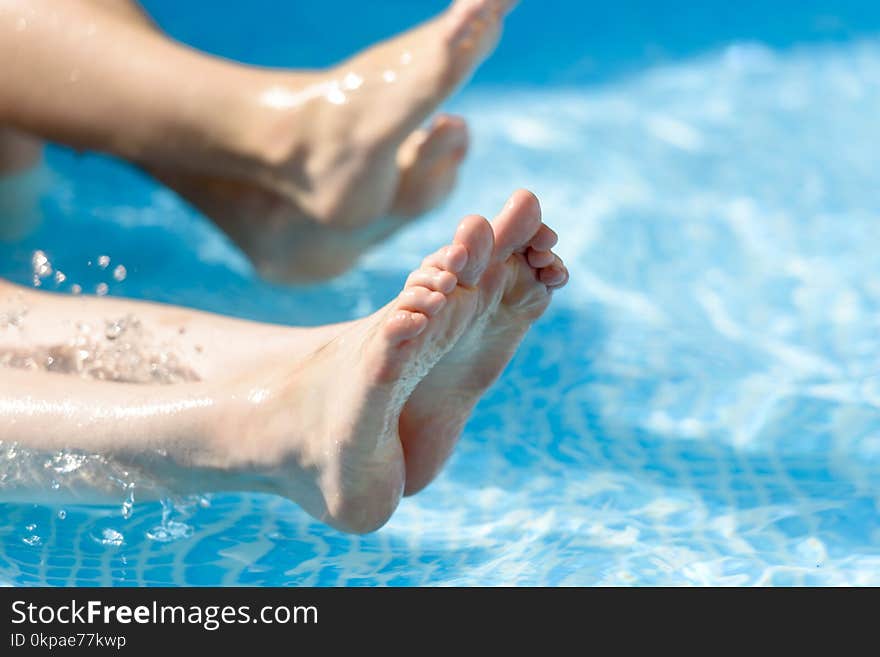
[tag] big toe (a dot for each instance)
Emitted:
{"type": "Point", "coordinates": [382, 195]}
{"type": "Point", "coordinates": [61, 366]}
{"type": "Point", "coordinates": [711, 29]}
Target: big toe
{"type": "Point", "coordinates": [428, 161]}
{"type": "Point", "coordinates": [517, 224]}
{"type": "Point", "coordinates": [477, 23]}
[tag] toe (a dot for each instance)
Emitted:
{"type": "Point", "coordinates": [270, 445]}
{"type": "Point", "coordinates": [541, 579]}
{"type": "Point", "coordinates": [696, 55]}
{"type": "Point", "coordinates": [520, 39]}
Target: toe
{"type": "Point", "coordinates": [405, 325]}
{"type": "Point", "coordinates": [517, 224]}
{"type": "Point", "coordinates": [447, 136]}
{"type": "Point", "coordinates": [429, 161]}
{"type": "Point", "coordinates": [545, 239]}
{"type": "Point", "coordinates": [555, 275]}
{"type": "Point", "coordinates": [475, 235]}
{"type": "Point", "coordinates": [497, 6]}
{"type": "Point", "coordinates": [540, 259]}
{"type": "Point", "coordinates": [421, 300]}
{"type": "Point", "coordinates": [452, 258]}
{"type": "Point", "coordinates": [477, 22]}
{"type": "Point", "coordinates": [433, 278]}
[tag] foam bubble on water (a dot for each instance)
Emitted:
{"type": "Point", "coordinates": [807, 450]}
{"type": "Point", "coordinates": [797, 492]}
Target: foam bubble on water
{"type": "Point", "coordinates": [120, 273]}
{"type": "Point", "coordinates": [109, 537]}
{"type": "Point", "coordinates": [169, 530]}
{"type": "Point", "coordinates": [32, 538]}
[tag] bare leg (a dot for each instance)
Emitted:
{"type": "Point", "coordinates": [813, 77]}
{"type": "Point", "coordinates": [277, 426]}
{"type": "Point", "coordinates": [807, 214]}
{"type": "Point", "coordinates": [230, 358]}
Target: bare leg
{"type": "Point", "coordinates": [305, 170]}
{"type": "Point", "coordinates": [20, 151]}
{"type": "Point", "coordinates": [267, 409]}
{"type": "Point", "coordinates": [128, 10]}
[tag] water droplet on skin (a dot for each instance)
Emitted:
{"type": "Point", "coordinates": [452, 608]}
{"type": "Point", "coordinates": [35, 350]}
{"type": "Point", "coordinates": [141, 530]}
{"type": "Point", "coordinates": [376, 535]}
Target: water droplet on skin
{"type": "Point", "coordinates": [120, 273]}
{"type": "Point", "coordinates": [114, 329]}
{"type": "Point", "coordinates": [389, 76]}
{"type": "Point", "coordinates": [21, 25]}
{"type": "Point", "coordinates": [352, 81]}
{"type": "Point", "coordinates": [101, 289]}
{"type": "Point", "coordinates": [335, 96]}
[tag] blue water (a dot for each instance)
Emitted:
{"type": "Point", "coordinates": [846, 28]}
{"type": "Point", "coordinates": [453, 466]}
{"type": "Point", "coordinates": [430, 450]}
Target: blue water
{"type": "Point", "coordinates": [700, 406]}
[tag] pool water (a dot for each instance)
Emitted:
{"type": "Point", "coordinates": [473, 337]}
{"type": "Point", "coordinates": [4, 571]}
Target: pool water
{"type": "Point", "coordinates": [700, 406]}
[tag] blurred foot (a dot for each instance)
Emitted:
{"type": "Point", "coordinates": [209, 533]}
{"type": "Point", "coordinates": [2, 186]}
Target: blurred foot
{"type": "Point", "coordinates": [345, 163]}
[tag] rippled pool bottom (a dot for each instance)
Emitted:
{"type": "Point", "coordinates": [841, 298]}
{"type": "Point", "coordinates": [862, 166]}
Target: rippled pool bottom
{"type": "Point", "coordinates": [701, 406]}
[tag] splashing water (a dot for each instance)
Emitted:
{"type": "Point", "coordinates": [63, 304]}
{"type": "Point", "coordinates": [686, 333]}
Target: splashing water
{"type": "Point", "coordinates": [700, 407]}
{"type": "Point", "coordinates": [122, 351]}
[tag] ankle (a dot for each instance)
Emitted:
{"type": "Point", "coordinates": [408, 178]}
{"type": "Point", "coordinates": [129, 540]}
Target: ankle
{"type": "Point", "coordinates": [230, 125]}
{"type": "Point", "coordinates": [269, 128]}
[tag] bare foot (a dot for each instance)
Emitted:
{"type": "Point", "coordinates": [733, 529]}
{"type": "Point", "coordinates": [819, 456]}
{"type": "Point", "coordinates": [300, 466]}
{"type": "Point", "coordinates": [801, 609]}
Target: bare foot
{"type": "Point", "coordinates": [345, 163]}
{"type": "Point", "coordinates": [515, 290]}
{"type": "Point", "coordinates": [287, 245]}
{"type": "Point", "coordinates": [375, 412]}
